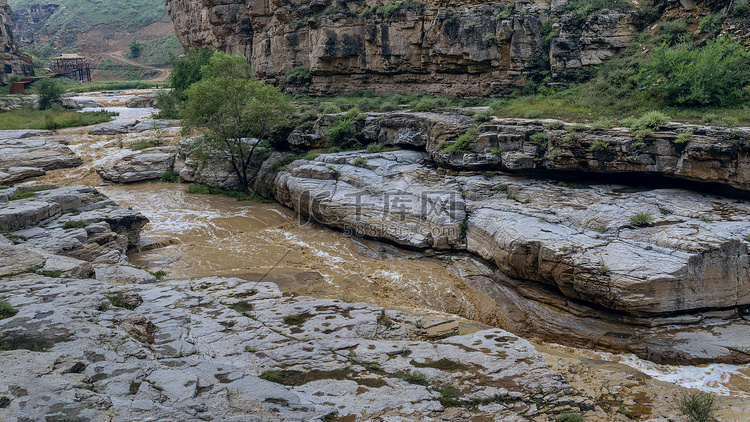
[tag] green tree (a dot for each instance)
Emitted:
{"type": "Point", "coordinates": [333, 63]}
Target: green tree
{"type": "Point", "coordinates": [135, 48]}
{"type": "Point", "coordinates": [50, 93]}
{"type": "Point", "coordinates": [239, 113]}
{"type": "Point", "coordinates": [186, 70]}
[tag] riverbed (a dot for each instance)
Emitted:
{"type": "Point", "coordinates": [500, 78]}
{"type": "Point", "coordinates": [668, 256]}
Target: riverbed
{"type": "Point", "coordinates": [202, 235]}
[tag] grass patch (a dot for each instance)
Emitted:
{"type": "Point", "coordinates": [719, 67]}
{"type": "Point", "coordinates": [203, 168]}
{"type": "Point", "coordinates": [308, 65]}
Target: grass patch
{"type": "Point", "coordinates": [159, 274]}
{"type": "Point", "coordinates": [697, 406]}
{"type": "Point", "coordinates": [170, 177]}
{"type": "Point", "coordinates": [53, 118]}
{"type": "Point", "coordinates": [6, 310]}
{"type": "Point", "coordinates": [143, 144]}
{"type": "Point", "coordinates": [462, 144]}
{"type": "Point", "coordinates": [200, 189]}
{"type": "Point", "coordinates": [374, 148]}
{"type": "Point", "coordinates": [120, 300]}
{"type": "Point", "coordinates": [75, 224]}
{"type": "Point", "coordinates": [413, 377]}
{"type": "Point", "coordinates": [29, 191]}
{"type": "Point", "coordinates": [50, 273]}
{"type": "Point", "coordinates": [641, 219]}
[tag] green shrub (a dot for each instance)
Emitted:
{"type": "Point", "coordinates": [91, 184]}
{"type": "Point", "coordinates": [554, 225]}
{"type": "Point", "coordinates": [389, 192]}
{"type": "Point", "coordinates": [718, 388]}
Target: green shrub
{"type": "Point", "coordinates": [50, 93]}
{"type": "Point", "coordinates": [299, 75]}
{"type": "Point", "coordinates": [135, 48]}
{"type": "Point", "coordinates": [641, 219]}
{"type": "Point", "coordinates": [342, 132]}
{"type": "Point", "coordinates": [482, 116]}
{"type": "Point", "coordinates": [712, 75]}
{"type": "Point", "coordinates": [532, 114]}
{"type": "Point", "coordinates": [674, 32]}
{"type": "Point", "coordinates": [311, 155]}
{"type": "Point", "coordinates": [360, 161]}
{"type": "Point", "coordinates": [715, 120]}
{"type": "Point", "coordinates": [463, 143]}
{"type": "Point", "coordinates": [711, 23]}
{"type": "Point", "coordinates": [603, 269]}
{"type": "Point", "coordinates": [142, 144]}
{"type": "Point", "coordinates": [75, 224]}
{"type": "Point", "coordinates": [741, 9]}
{"type": "Point", "coordinates": [578, 127]}
{"type": "Point", "coordinates": [331, 108]}
{"type": "Point", "coordinates": [489, 38]}
{"type": "Point", "coordinates": [6, 310]}
{"type": "Point", "coordinates": [683, 137]}
{"type": "Point", "coordinates": [540, 139]}
{"type": "Point", "coordinates": [584, 8]}
{"type": "Point", "coordinates": [413, 377]}
{"type": "Point", "coordinates": [599, 145]}
{"type": "Point", "coordinates": [555, 125]}
{"type": "Point", "coordinates": [603, 123]}
{"type": "Point", "coordinates": [697, 406]}
{"type": "Point", "coordinates": [170, 177]}
{"type": "Point", "coordinates": [425, 104]}
{"type": "Point", "coordinates": [186, 70]}
{"type": "Point", "coordinates": [374, 148]}
{"type": "Point", "coordinates": [650, 121]}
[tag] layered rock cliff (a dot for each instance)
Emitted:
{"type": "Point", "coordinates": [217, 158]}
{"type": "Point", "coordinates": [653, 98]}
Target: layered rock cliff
{"type": "Point", "coordinates": [10, 57]}
{"type": "Point", "coordinates": [466, 49]}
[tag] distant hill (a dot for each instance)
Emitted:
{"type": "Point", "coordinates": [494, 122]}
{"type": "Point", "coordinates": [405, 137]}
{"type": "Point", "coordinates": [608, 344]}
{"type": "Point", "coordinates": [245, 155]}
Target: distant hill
{"type": "Point", "coordinates": [98, 29]}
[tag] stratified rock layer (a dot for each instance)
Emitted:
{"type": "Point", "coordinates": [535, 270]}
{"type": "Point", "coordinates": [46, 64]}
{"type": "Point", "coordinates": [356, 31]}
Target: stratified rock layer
{"type": "Point", "coordinates": [579, 242]}
{"type": "Point", "coordinates": [28, 153]}
{"type": "Point", "coordinates": [10, 57]}
{"type": "Point", "coordinates": [467, 49]}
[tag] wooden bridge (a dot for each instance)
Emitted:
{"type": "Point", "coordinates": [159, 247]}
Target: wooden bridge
{"type": "Point", "coordinates": [72, 66]}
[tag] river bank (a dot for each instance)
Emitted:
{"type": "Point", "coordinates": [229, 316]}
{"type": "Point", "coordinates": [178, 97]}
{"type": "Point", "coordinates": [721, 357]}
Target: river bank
{"type": "Point", "coordinates": [202, 236]}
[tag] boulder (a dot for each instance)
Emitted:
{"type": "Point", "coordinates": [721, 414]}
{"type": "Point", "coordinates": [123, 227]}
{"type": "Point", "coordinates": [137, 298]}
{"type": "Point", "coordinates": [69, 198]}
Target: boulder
{"type": "Point", "coordinates": [141, 101]}
{"type": "Point", "coordinates": [147, 164]}
{"type": "Point", "coordinates": [37, 152]}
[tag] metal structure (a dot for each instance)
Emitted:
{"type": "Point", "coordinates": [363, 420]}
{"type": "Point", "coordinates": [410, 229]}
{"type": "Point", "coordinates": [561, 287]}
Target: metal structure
{"type": "Point", "coordinates": [72, 66]}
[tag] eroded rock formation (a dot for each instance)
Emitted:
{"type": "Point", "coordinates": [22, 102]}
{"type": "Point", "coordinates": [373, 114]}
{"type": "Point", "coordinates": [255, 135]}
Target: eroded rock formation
{"type": "Point", "coordinates": [10, 58]}
{"type": "Point", "coordinates": [462, 48]}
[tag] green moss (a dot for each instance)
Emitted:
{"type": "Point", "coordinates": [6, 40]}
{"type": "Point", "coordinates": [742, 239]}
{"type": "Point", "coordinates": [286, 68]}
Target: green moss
{"type": "Point", "coordinates": [75, 224]}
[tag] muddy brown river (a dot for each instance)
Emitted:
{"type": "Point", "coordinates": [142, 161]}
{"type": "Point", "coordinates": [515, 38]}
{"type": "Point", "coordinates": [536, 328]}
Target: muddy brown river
{"type": "Point", "coordinates": [207, 235]}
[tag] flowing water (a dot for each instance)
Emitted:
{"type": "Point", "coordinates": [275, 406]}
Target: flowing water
{"type": "Point", "coordinates": [206, 235]}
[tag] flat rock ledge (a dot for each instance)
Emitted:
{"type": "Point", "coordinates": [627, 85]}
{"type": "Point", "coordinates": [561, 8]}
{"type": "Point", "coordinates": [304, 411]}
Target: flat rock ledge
{"type": "Point", "coordinates": [233, 350]}
{"type": "Point", "coordinates": [576, 243]}
{"type": "Point", "coordinates": [29, 153]}
{"type": "Point", "coordinates": [67, 232]}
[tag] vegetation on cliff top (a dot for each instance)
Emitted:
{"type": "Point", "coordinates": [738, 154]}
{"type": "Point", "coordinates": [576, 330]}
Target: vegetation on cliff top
{"type": "Point", "coordinates": [81, 15]}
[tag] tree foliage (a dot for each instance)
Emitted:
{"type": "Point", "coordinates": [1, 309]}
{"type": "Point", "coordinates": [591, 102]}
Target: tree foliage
{"type": "Point", "coordinates": [50, 93]}
{"type": "Point", "coordinates": [713, 75]}
{"type": "Point", "coordinates": [239, 113]}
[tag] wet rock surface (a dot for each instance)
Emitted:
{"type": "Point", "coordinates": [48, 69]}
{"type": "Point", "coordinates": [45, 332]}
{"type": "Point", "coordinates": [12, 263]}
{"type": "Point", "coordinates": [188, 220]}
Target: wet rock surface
{"type": "Point", "coordinates": [147, 164]}
{"type": "Point", "coordinates": [63, 231]}
{"type": "Point", "coordinates": [29, 153]}
{"type": "Point", "coordinates": [229, 349]}
{"type": "Point", "coordinates": [576, 241]}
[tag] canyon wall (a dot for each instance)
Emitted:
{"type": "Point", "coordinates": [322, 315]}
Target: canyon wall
{"type": "Point", "coordinates": [10, 58]}
{"type": "Point", "coordinates": [469, 48]}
